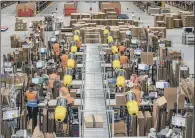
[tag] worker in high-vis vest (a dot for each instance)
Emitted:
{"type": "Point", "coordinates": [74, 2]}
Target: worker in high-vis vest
{"type": "Point", "coordinates": [121, 48]}
{"type": "Point", "coordinates": [79, 44]}
{"type": "Point", "coordinates": [123, 59]}
{"type": "Point", "coordinates": [71, 63]}
{"type": "Point", "coordinates": [116, 61]}
{"type": "Point", "coordinates": [120, 80]}
{"type": "Point", "coordinates": [106, 31]}
{"type": "Point", "coordinates": [62, 103]}
{"type": "Point", "coordinates": [67, 80]}
{"type": "Point", "coordinates": [114, 49]}
{"type": "Point", "coordinates": [131, 101]}
{"type": "Point", "coordinates": [64, 59]}
{"type": "Point", "coordinates": [31, 98]}
{"type": "Point", "coordinates": [56, 50]}
{"type": "Point", "coordinates": [73, 47]}
{"type": "Point", "coordinates": [110, 39]}
{"type": "Point", "coordinates": [76, 37]}
{"type": "Point", "coordinates": [53, 77]}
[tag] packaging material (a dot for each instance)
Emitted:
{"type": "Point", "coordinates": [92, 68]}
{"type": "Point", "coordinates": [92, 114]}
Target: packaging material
{"type": "Point", "coordinates": [18, 7]}
{"type": "Point", "coordinates": [120, 129]}
{"type": "Point", "coordinates": [147, 58]}
{"type": "Point", "coordinates": [75, 16]}
{"type": "Point", "coordinates": [88, 121]}
{"type": "Point", "coordinates": [161, 101]}
{"type": "Point", "coordinates": [134, 126]}
{"type": "Point", "coordinates": [120, 99]}
{"type": "Point", "coordinates": [20, 26]}
{"type": "Point", "coordinates": [187, 87]}
{"type": "Point", "coordinates": [171, 98]}
{"type": "Point", "coordinates": [69, 5]}
{"type": "Point", "coordinates": [37, 133]}
{"type": "Point", "coordinates": [49, 135]}
{"type": "Point", "coordinates": [177, 23]}
{"type": "Point", "coordinates": [148, 122]}
{"type": "Point", "coordinates": [140, 124]}
{"type": "Point", "coordinates": [158, 17]}
{"type": "Point", "coordinates": [115, 5]}
{"type": "Point", "coordinates": [160, 24]}
{"type": "Point", "coordinates": [169, 22]}
{"type": "Point", "coordinates": [188, 20]}
{"type": "Point", "coordinates": [152, 11]}
{"type": "Point", "coordinates": [73, 93]}
{"type": "Point", "coordinates": [94, 121]}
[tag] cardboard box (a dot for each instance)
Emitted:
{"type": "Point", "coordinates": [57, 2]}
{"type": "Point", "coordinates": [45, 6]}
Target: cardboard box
{"type": "Point", "coordinates": [140, 124]}
{"type": "Point", "coordinates": [30, 6]}
{"type": "Point", "coordinates": [18, 7]}
{"type": "Point", "coordinates": [161, 101]}
{"type": "Point", "coordinates": [147, 58]}
{"type": "Point", "coordinates": [73, 93]}
{"type": "Point", "coordinates": [120, 129]}
{"type": "Point", "coordinates": [120, 99]}
{"type": "Point", "coordinates": [94, 121]}
{"type": "Point", "coordinates": [148, 122]}
{"type": "Point", "coordinates": [171, 97]}
{"type": "Point", "coordinates": [98, 121]}
{"type": "Point", "coordinates": [69, 5]}
{"type": "Point", "coordinates": [88, 121]}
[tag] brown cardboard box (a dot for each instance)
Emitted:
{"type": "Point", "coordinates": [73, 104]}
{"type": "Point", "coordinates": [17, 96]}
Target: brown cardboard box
{"type": "Point", "coordinates": [140, 124]}
{"type": "Point", "coordinates": [171, 97]}
{"type": "Point", "coordinates": [98, 121]}
{"type": "Point", "coordinates": [120, 129]}
{"type": "Point", "coordinates": [120, 99]}
{"type": "Point", "coordinates": [148, 122]}
{"type": "Point", "coordinates": [169, 22]}
{"type": "Point", "coordinates": [161, 101]}
{"type": "Point", "coordinates": [88, 121]}
{"type": "Point", "coordinates": [147, 58]}
{"type": "Point", "coordinates": [30, 6]}
{"type": "Point", "coordinates": [73, 93]}
{"type": "Point", "coordinates": [69, 5]}
{"type": "Point", "coordinates": [18, 7]}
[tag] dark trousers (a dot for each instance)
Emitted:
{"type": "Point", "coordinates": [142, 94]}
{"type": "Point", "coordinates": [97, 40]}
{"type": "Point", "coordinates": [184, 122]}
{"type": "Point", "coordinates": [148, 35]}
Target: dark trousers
{"type": "Point", "coordinates": [32, 114]}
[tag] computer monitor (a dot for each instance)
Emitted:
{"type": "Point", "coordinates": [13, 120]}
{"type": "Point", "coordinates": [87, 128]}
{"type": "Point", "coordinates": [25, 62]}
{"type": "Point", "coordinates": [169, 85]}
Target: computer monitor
{"type": "Point", "coordinates": [137, 51]}
{"type": "Point", "coordinates": [37, 80]}
{"type": "Point", "coordinates": [188, 30]}
{"type": "Point", "coordinates": [134, 41]}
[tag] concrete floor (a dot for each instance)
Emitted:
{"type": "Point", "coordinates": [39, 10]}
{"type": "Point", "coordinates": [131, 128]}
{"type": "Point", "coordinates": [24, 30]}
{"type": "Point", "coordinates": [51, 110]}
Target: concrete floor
{"type": "Point", "coordinates": [8, 19]}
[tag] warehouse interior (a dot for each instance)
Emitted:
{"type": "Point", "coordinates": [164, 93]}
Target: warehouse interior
{"type": "Point", "coordinates": [97, 69]}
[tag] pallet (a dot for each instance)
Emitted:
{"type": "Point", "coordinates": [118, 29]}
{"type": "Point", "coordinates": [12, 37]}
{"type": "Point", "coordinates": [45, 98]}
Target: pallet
{"type": "Point", "coordinates": [4, 28]}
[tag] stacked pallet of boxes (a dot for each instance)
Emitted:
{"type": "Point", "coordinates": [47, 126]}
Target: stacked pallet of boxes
{"type": "Point", "coordinates": [69, 8]}
{"type": "Point", "coordinates": [26, 10]}
{"type": "Point", "coordinates": [20, 25]}
{"type": "Point", "coordinates": [115, 5]}
{"type": "Point", "coordinates": [188, 20]}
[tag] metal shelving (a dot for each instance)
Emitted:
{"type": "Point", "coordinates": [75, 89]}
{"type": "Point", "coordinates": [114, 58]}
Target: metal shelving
{"type": "Point", "coordinates": [183, 5]}
{"type": "Point", "coordinates": [41, 5]}
{"type": "Point", "coordinates": [7, 3]}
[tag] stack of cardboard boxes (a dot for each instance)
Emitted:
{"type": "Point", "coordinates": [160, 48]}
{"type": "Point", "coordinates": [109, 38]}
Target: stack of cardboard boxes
{"type": "Point", "coordinates": [115, 5]}
{"type": "Point", "coordinates": [94, 121]}
{"type": "Point", "coordinates": [20, 25]}
{"type": "Point", "coordinates": [25, 7]}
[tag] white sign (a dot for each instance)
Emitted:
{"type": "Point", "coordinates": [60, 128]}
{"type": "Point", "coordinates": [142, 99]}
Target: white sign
{"type": "Point", "coordinates": [161, 85]}
{"type": "Point", "coordinates": [178, 121]}
{"type": "Point", "coordinates": [8, 69]}
{"type": "Point", "coordinates": [7, 64]}
{"type": "Point", "coordinates": [143, 67]}
{"type": "Point", "coordinates": [137, 51]}
{"type": "Point", "coordinates": [20, 70]}
{"type": "Point", "coordinates": [183, 68]}
{"type": "Point", "coordinates": [26, 46]}
{"type": "Point", "coordinates": [134, 41]}
{"type": "Point", "coordinates": [161, 45]}
{"type": "Point", "coordinates": [14, 113]}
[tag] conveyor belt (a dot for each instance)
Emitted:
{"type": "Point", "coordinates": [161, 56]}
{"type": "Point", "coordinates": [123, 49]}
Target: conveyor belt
{"type": "Point", "coordinates": [94, 94]}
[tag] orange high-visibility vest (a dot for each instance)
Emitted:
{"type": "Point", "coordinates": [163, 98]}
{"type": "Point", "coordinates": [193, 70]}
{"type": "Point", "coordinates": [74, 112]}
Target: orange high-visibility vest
{"type": "Point", "coordinates": [56, 48]}
{"type": "Point", "coordinates": [79, 44]}
{"type": "Point", "coordinates": [52, 78]}
{"type": "Point", "coordinates": [138, 95]}
{"type": "Point", "coordinates": [31, 96]}
{"type": "Point", "coordinates": [123, 59]}
{"type": "Point", "coordinates": [122, 48]}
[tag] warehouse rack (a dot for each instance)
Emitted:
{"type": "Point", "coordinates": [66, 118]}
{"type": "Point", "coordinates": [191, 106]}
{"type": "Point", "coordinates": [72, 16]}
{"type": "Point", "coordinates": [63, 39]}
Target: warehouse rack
{"type": "Point", "coordinates": [183, 5]}
{"type": "Point", "coordinates": [7, 3]}
{"type": "Point", "coordinates": [41, 5]}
